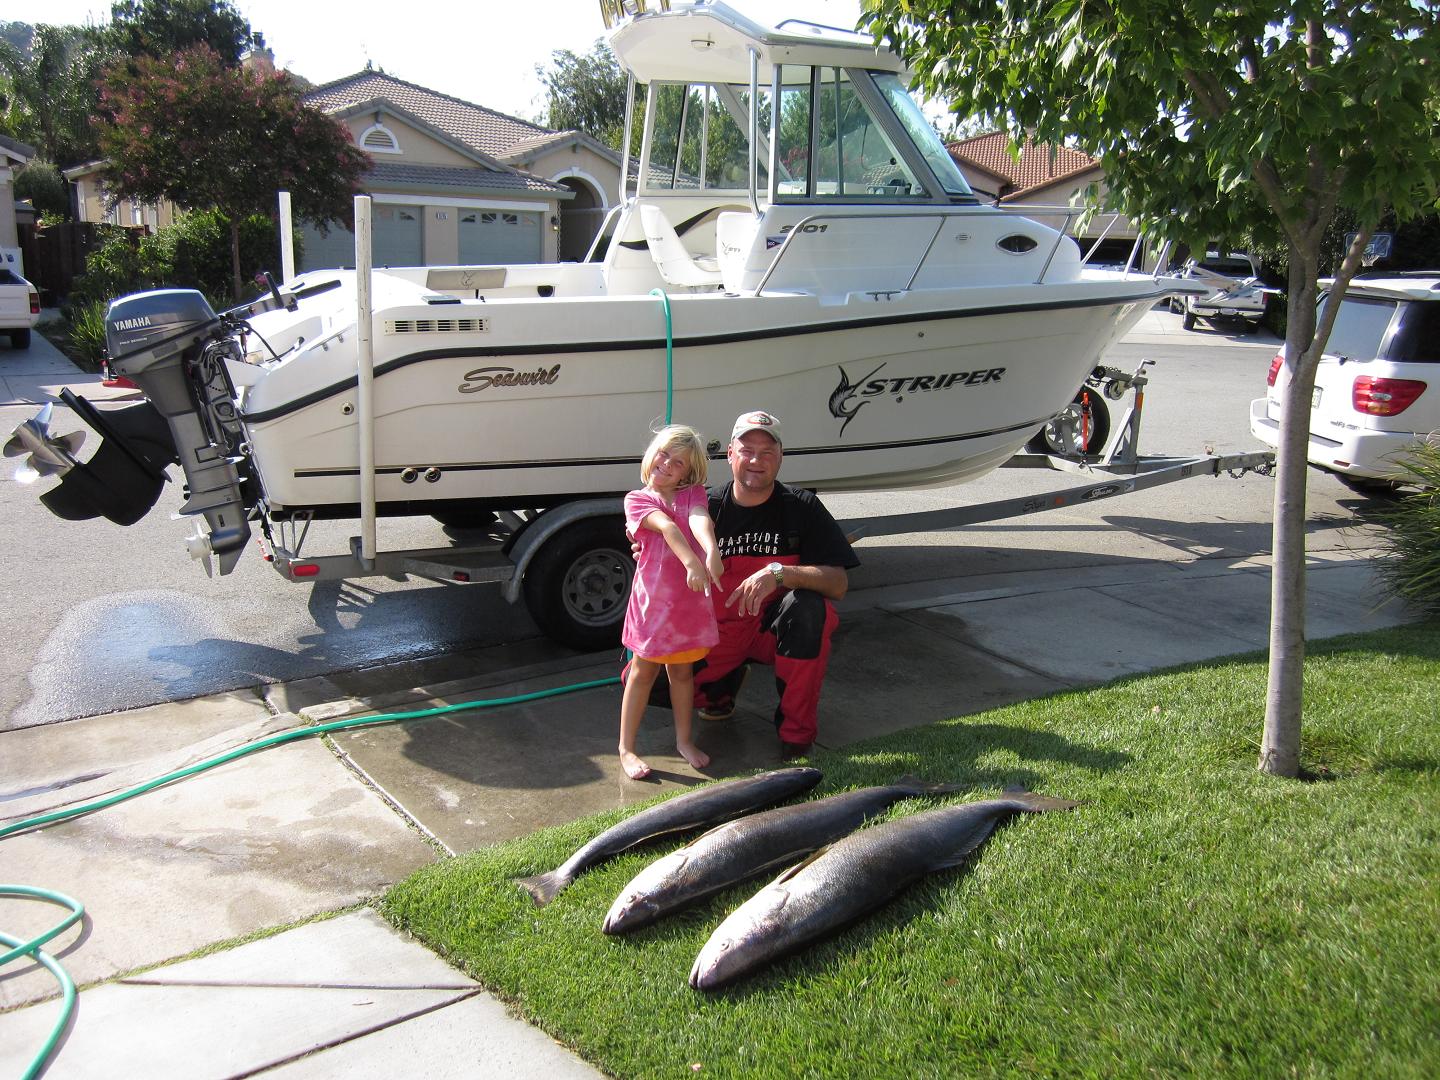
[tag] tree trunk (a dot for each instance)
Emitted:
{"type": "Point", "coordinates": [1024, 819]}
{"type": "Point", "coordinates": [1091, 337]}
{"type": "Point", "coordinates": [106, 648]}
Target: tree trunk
{"type": "Point", "coordinates": [1305, 337]}
{"type": "Point", "coordinates": [235, 258]}
{"type": "Point", "coordinates": [1280, 744]}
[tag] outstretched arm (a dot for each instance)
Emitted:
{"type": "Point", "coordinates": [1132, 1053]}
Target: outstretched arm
{"type": "Point", "coordinates": [704, 530]}
{"type": "Point", "coordinates": [696, 576]}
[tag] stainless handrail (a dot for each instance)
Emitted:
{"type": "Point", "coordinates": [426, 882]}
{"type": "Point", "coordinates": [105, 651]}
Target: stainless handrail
{"type": "Point", "coordinates": [1070, 213]}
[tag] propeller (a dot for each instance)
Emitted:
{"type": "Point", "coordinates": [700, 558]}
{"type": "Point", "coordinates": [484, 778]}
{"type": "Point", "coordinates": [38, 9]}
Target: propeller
{"type": "Point", "coordinates": [197, 544]}
{"type": "Point", "coordinates": [50, 455]}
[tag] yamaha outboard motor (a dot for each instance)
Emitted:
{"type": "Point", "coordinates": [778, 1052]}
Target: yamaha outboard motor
{"type": "Point", "coordinates": [173, 346]}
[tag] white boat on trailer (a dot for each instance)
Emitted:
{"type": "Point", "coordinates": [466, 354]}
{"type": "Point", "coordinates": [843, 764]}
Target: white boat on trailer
{"type": "Point", "coordinates": [798, 235]}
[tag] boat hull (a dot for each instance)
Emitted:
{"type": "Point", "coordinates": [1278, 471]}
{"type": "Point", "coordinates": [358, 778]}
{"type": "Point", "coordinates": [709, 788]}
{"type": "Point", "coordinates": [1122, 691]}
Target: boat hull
{"type": "Point", "coordinates": [874, 391]}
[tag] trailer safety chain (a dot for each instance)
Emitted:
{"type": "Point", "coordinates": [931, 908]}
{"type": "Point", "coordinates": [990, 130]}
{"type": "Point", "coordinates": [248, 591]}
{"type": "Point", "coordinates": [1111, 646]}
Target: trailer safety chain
{"type": "Point", "coordinates": [1265, 468]}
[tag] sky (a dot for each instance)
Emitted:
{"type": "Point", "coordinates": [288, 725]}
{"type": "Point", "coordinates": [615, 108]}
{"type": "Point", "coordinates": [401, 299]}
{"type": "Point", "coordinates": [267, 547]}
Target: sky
{"type": "Point", "coordinates": [483, 51]}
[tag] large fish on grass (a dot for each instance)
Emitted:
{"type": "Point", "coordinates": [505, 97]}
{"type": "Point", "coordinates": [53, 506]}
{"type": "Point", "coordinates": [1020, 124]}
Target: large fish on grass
{"type": "Point", "coordinates": [752, 845]}
{"type": "Point", "coordinates": [696, 809]}
{"type": "Point", "coordinates": [849, 878]}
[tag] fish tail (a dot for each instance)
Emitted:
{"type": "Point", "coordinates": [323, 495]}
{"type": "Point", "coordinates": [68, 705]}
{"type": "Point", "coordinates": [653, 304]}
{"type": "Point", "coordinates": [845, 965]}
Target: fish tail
{"type": "Point", "coordinates": [1037, 804]}
{"type": "Point", "coordinates": [543, 887]}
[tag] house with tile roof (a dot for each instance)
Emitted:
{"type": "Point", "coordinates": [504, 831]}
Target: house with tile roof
{"type": "Point", "coordinates": [457, 183]}
{"type": "Point", "coordinates": [1042, 175]}
{"type": "Point", "coordinates": [452, 182]}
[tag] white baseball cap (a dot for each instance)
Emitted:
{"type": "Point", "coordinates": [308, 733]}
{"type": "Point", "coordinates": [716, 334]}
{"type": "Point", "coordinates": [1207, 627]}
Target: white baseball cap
{"type": "Point", "coordinates": [757, 421]}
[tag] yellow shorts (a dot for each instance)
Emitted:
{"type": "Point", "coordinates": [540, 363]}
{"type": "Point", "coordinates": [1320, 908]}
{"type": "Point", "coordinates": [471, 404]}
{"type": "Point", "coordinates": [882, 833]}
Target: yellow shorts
{"type": "Point", "coordinates": [689, 656]}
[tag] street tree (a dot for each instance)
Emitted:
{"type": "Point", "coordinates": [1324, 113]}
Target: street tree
{"type": "Point", "coordinates": [162, 27]}
{"type": "Point", "coordinates": [50, 91]}
{"type": "Point", "coordinates": [1212, 121]}
{"type": "Point", "coordinates": [204, 135]}
{"type": "Point", "coordinates": [585, 92]}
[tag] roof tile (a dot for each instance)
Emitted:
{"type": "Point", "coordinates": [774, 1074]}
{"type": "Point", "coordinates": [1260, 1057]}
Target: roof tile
{"type": "Point", "coordinates": [1040, 164]}
{"type": "Point", "coordinates": [485, 130]}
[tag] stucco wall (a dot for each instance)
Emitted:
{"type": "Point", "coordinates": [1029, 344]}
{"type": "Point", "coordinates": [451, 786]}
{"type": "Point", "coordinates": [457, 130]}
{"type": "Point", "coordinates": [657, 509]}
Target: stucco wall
{"type": "Point", "coordinates": [416, 147]}
{"type": "Point", "coordinates": [8, 236]}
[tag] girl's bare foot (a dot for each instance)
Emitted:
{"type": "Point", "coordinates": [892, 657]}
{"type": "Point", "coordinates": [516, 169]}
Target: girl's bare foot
{"type": "Point", "coordinates": [697, 758]}
{"type": "Point", "coordinates": [633, 766]}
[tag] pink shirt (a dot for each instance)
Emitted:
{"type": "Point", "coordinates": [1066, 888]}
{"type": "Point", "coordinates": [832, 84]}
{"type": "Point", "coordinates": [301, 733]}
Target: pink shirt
{"type": "Point", "coordinates": [665, 615]}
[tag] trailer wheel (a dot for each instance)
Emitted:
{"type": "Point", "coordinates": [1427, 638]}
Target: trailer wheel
{"type": "Point", "coordinates": [1063, 429]}
{"type": "Point", "coordinates": [578, 584]}
{"type": "Point", "coordinates": [1188, 322]}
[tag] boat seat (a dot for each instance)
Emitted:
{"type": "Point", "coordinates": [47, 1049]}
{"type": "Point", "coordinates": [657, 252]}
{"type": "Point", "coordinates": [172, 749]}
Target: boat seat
{"type": "Point", "coordinates": [734, 237]}
{"type": "Point", "coordinates": [675, 263]}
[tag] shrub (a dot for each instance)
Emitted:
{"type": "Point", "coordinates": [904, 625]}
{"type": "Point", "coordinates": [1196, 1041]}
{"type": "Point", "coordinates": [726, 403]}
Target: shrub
{"type": "Point", "coordinates": [41, 183]}
{"type": "Point", "coordinates": [193, 253]}
{"type": "Point", "coordinates": [85, 332]}
{"type": "Point", "coordinates": [1412, 542]}
{"type": "Point", "coordinates": [197, 249]}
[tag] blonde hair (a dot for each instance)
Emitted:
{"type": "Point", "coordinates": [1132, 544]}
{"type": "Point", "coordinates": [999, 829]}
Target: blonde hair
{"type": "Point", "coordinates": [674, 439]}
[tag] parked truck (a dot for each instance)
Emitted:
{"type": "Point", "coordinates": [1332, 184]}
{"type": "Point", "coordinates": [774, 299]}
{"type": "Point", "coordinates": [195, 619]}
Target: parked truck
{"type": "Point", "coordinates": [19, 300]}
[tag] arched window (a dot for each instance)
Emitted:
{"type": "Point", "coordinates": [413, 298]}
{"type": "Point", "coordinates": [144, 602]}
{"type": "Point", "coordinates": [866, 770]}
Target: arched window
{"type": "Point", "coordinates": [378, 139]}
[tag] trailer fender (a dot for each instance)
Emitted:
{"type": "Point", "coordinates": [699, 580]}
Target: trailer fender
{"type": "Point", "coordinates": [536, 533]}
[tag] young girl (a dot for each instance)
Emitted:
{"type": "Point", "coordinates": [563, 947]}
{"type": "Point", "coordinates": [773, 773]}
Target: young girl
{"type": "Point", "coordinates": [670, 621]}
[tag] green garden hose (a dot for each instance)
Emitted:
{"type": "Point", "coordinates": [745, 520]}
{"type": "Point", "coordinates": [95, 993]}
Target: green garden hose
{"type": "Point", "coordinates": [77, 911]}
{"type": "Point", "coordinates": [669, 355]}
{"type": "Point", "coordinates": [32, 948]}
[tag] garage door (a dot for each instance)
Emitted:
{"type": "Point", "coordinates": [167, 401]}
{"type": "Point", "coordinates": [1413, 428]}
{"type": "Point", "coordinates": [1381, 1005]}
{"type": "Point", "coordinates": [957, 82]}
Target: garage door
{"type": "Point", "coordinates": [499, 236]}
{"type": "Point", "coordinates": [395, 240]}
{"type": "Point", "coordinates": [336, 249]}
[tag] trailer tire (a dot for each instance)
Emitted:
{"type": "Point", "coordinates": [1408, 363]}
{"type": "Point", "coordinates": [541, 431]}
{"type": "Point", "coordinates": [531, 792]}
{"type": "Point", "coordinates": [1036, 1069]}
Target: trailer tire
{"type": "Point", "coordinates": [1048, 440]}
{"type": "Point", "coordinates": [577, 586]}
{"type": "Point", "coordinates": [1188, 322]}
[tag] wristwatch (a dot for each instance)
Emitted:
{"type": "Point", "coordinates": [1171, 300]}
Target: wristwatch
{"type": "Point", "coordinates": [777, 571]}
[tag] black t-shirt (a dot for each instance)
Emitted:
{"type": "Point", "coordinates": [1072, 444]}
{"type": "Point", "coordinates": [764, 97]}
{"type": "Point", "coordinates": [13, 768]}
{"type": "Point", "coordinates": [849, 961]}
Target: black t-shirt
{"type": "Point", "coordinates": [791, 523]}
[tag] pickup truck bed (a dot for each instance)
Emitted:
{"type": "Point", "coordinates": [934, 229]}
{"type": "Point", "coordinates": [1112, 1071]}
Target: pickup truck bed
{"type": "Point", "coordinates": [19, 308]}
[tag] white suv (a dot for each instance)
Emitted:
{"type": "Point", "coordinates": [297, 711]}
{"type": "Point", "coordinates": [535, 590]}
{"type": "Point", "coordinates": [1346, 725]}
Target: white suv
{"type": "Point", "coordinates": [1377, 389]}
{"type": "Point", "coordinates": [1235, 290]}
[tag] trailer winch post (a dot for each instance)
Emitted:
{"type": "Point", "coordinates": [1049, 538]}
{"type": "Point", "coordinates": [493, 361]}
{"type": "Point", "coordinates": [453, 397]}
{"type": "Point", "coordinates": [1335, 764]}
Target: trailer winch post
{"type": "Point", "coordinates": [365, 380]}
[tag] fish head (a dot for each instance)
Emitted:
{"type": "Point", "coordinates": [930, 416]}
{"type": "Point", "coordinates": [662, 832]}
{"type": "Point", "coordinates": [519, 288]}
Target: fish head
{"type": "Point", "coordinates": [744, 941]}
{"type": "Point", "coordinates": [642, 901]}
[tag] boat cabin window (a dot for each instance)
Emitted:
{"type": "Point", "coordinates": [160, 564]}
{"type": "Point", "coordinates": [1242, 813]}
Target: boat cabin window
{"type": "Point", "coordinates": [831, 145]}
{"type": "Point", "coordinates": [699, 138]}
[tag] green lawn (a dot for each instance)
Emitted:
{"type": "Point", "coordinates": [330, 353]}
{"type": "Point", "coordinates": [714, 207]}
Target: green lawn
{"type": "Point", "coordinates": [1192, 917]}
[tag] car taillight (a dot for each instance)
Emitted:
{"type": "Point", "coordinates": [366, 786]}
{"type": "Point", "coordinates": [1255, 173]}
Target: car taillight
{"type": "Point", "coordinates": [1376, 396]}
{"type": "Point", "coordinates": [1275, 369]}
{"type": "Point", "coordinates": [34, 303]}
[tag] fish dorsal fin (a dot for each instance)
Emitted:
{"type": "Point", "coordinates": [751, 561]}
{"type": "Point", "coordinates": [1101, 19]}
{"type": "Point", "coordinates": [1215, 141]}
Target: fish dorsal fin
{"type": "Point", "coordinates": [790, 873]}
{"type": "Point", "coordinates": [960, 854]}
{"type": "Point", "coordinates": [919, 786]}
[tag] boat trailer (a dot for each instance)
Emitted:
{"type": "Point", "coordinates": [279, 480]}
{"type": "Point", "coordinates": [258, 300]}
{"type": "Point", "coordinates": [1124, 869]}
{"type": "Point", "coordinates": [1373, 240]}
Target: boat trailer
{"type": "Point", "coordinates": [572, 565]}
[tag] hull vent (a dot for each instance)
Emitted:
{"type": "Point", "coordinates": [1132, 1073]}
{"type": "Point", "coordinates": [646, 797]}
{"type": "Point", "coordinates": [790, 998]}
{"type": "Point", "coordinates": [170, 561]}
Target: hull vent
{"type": "Point", "coordinates": [437, 326]}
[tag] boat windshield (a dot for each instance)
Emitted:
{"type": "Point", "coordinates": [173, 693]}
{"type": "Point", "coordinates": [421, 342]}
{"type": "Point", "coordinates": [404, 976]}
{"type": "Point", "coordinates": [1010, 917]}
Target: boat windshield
{"type": "Point", "coordinates": [923, 135]}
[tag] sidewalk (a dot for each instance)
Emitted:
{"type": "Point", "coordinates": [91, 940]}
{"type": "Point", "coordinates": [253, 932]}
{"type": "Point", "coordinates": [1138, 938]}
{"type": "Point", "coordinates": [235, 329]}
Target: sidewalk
{"type": "Point", "coordinates": [36, 375]}
{"type": "Point", "coordinates": [307, 829]}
